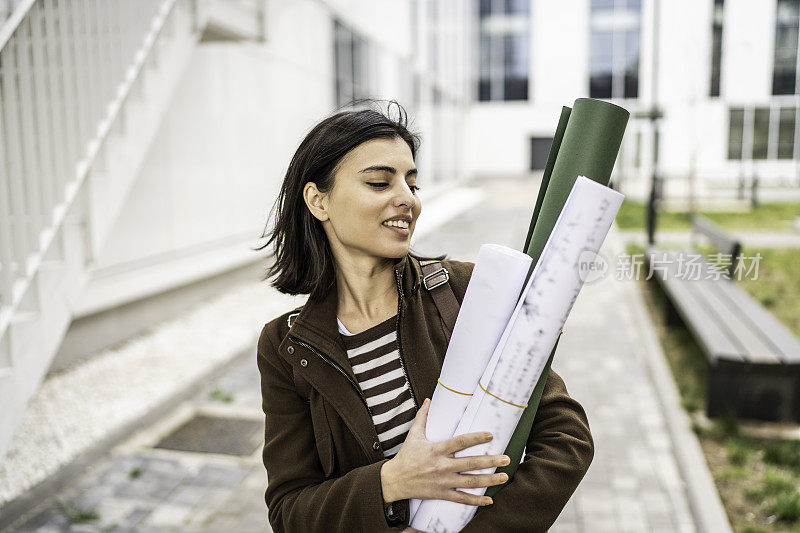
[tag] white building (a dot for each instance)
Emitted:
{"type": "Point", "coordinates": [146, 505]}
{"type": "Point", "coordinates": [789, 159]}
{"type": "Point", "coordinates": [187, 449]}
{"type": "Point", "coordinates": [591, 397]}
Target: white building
{"type": "Point", "coordinates": [725, 82]}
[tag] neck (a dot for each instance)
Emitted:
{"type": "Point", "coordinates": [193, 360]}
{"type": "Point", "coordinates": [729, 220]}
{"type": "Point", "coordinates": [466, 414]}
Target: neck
{"type": "Point", "coordinates": [366, 288]}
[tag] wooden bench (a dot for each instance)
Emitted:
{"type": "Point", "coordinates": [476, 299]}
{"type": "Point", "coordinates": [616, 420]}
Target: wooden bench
{"type": "Point", "coordinates": [754, 360]}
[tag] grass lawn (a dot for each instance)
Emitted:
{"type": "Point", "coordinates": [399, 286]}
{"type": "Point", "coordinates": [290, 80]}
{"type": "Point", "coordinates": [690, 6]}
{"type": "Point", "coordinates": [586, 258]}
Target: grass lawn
{"type": "Point", "coordinates": [778, 283]}
{"type": "Point", "coordinates": [758, 479]}
{"type": "Point", "coordinates": [766, 217]}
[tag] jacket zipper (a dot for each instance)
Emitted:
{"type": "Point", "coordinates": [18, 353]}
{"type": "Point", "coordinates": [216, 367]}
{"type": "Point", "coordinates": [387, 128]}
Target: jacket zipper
{"type": "Point", "coordinates": [336, 366]}
{"type": "Point", "coordinates": [399, 345]}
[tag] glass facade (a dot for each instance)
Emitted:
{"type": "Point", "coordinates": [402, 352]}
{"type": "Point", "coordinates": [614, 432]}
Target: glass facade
{"type": "Point", "coordinates": [784, 69]}
{"type": "Point", "coordinates": [351, 57]}
{"type": "Point", "coordinates": [761, 133]}
{"type": "Point", "coordinates": [786, 125]}
{"type": "Point", "coordinates": [716, 47]}
{"type": "Point", "coordinates": [614, 48]}
{"type": "Point", "coordinates": [504, 48]}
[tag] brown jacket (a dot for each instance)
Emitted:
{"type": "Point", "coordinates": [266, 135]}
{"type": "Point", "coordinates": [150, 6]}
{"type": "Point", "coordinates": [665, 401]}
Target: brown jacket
{"type": "Point", "coordinates": [322, 453]}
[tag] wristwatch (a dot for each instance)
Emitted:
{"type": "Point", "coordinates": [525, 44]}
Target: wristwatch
{"type": "Point", "coordinates": [392, 518]}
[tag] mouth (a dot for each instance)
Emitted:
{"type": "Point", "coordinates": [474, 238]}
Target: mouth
{"type": "Point", "coordinates": [398, 227]}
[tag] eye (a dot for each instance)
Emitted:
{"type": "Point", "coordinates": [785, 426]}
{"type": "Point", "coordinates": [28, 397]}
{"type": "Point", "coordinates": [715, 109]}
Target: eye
{"type": "Point", "coordinates": [413, 188]}
{"type": "Point", "coordinates": [378, 185]}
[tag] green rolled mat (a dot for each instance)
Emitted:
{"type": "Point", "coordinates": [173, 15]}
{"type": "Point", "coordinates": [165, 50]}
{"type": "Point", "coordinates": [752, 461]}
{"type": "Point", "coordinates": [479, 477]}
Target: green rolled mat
{"type": "Point", "coordinates": [548, 169]}
{"type": "Point", "coordinates": [589, 147]}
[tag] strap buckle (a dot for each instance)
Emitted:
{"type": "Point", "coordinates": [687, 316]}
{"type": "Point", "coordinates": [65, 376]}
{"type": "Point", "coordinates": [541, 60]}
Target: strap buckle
{"type": "Point", "coordinates": [445, 277]}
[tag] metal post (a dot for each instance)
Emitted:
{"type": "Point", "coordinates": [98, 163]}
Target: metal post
{"type": "Point", "coordinates": [651, 213]}
{"type": "Point", "coordinates": [655, 114]}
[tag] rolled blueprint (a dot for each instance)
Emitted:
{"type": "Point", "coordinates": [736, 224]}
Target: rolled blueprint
{"type": "Point", "coordinates": [492, 294]}
{"type": "Point", "coordinates": [589, 147]}
{"type": "Point", "coordinates": [526, 343]}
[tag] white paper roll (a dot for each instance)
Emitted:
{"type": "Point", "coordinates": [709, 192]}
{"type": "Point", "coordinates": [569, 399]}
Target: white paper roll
{"type": "Point", "coordinates": [525, 346]}
{"type": "Point", "coordinates": [491, 296]}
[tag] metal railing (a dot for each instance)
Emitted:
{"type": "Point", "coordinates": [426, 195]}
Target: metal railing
{"type": "Point", "coordinates": [66, 69]}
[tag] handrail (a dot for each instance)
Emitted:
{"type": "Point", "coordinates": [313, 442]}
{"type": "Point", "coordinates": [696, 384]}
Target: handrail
{"type": "Point", "coordinates": [66, 73]}
{"type": "Point", "coordinates": [12, 23]}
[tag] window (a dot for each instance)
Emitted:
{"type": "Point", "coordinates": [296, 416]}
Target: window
{"type": "Point", "coordinates": [786, 133]}
{"type": "Point", "coordinates": [433, 35]}
{"type": "Point", "coordinates": [614, 48]}
{"type": "Point", "coordinates": [761, 133]}
{"type": "Point", "coordinates": [716, 47]}
{"type": "Point", "coordinates": [735, 133]}
{"type": "Point", "coordinates": [784, 69]}
{"type": "Point", "coordinates": [351, 57]}
{"type": "Point", "coordinates": [504, 49]}
{"type": "Point", "coordinates": [751, 137]}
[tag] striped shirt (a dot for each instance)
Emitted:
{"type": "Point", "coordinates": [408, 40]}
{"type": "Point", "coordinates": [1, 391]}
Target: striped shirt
{"type": "Point", "coordinates": [375, 359]}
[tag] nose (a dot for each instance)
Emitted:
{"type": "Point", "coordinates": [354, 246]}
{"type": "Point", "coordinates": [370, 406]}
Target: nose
{"type": "Point", "coordinates": [405, 197]}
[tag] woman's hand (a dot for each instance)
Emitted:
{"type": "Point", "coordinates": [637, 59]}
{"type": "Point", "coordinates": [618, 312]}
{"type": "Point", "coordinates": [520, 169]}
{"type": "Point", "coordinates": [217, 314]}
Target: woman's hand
{"type": "Point", "coordinates": [428, 470]}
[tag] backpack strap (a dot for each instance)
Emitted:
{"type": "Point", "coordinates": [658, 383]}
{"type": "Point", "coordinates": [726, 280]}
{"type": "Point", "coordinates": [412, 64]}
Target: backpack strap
{"type": "Point", "coordinates": [436, 280]}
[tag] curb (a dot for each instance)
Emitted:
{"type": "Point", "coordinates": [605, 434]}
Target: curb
{"type": "Point", "coordinates": [704, 500]}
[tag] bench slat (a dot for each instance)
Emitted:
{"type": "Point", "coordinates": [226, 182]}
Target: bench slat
{"type": "Point", "coordinates": [705, 328]}
{"type": "Point", "coordinates": [785, 341]}
{"type": "Point", "coordinates": [734, 320]}
{"type": "Point", "coordinates": [718, 237]}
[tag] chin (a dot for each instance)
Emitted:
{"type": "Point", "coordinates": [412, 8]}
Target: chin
{"type": "Point", "coordinates": [396, 252]}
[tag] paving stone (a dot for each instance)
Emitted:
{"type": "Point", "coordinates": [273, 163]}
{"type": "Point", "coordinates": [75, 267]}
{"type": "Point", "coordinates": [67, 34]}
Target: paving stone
{"type": "Point", "coordinates": [220, 477]}
{"type": "Point", "coordinates": [136, 515]}
{"type": "Point", "coordinates": [167, 515]}
{"type": "Point", "coordinates": [94, 495]}
{"type": "Point", "coordinates": [186, 495]}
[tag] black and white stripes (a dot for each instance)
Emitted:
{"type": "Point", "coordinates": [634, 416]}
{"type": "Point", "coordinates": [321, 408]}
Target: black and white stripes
{"type": "Point", "coordinates": [375, 359]}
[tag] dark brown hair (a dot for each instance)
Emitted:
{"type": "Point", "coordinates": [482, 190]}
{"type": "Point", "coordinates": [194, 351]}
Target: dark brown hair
{"type": "Point", "coordinates": [304, 263]}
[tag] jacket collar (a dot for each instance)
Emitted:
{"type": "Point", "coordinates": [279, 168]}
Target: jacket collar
{"type": "Point", "coordinates": [316, 324]}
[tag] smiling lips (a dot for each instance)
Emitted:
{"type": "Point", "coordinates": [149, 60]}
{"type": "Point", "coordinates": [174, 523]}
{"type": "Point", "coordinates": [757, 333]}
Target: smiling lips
{"type": "Point", "coordinates": [397, 224]}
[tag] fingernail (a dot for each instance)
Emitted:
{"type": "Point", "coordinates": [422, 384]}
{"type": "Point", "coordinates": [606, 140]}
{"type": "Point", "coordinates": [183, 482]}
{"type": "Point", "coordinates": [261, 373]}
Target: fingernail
{"type": "Point", "coordinates": [487, 501]}
{"type": "Point", "coordinates": [487, 435]}
{"type": "Point", "coordinates": [504, 477]}
{"type": "Point", "coordinates": [505, 460]}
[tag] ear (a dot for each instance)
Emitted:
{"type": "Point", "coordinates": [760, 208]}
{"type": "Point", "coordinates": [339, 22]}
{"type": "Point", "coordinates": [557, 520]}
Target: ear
{"type": "Point", "coordinates": [316, 201]}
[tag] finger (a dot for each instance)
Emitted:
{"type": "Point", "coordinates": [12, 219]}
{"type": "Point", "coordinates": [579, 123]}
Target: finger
{"type": "Point", "coordinates": [474, 481]}
{"type": "Point", "coordinates": [418, 427]}
{"type": "Point", "coordinates": [465, 498]}
{"type": "Point", "coordinates": [466, 440]}
{"type": "Point", "coordinates": [479, 462]}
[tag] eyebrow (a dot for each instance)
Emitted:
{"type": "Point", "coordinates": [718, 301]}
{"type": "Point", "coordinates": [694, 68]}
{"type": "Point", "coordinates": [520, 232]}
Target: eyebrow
{"type": "Point", "coordinates": [385, 168]}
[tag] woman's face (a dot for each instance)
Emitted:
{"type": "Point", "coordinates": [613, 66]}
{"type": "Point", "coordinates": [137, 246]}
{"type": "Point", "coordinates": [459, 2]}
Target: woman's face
{"type": "Point", "coordinates": [375, 183]}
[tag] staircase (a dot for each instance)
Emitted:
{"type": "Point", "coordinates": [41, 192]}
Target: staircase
{"type": "Point", "coordinates": [83, 86]}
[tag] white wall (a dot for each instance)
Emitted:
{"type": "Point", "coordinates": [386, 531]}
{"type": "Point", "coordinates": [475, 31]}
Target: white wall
{"type": "Point", "coordinates": [241, 109]}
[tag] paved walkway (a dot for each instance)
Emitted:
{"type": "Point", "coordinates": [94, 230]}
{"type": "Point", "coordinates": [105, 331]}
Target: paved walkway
{"type": "Point", "coordinates": [632, 485]}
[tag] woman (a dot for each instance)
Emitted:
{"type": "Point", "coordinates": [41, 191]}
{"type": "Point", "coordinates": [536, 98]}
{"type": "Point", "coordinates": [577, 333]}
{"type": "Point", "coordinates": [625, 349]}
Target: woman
{"type": "Point", "coordinates": [345, 379]}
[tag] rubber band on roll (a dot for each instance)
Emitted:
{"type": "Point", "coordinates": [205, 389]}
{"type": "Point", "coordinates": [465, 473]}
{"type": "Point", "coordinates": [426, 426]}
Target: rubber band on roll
{"type": "Point", "coordinates": [453, 390]}
{"type": "Point", "coordinates": [499, 398]}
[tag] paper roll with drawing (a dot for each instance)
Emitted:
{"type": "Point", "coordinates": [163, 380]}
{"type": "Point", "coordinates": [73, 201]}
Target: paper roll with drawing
{"type": "Point", "coordinates": [491, 296]}
{"type": "Point", "coordinates": [524, 348]}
